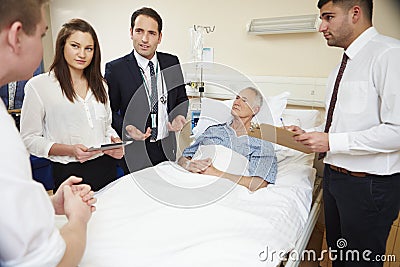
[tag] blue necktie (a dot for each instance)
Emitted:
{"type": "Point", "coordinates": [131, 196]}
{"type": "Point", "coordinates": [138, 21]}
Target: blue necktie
{"type": "Point", "coordinates": [153, 99]}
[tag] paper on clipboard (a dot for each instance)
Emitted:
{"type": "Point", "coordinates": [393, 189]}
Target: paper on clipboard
{"type": "Point", "coordinates": [279, 136]}
{"type": "Point", "coordinates": [109, 146]}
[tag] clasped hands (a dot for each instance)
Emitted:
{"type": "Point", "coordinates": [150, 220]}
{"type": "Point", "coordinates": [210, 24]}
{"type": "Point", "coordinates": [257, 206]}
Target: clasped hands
{"type": "Point", "coordinates": [175, 126]}
{"type": "Point", "coordinates": [74, 200]}
{"type": "Point", "coordinates": [201, 166]}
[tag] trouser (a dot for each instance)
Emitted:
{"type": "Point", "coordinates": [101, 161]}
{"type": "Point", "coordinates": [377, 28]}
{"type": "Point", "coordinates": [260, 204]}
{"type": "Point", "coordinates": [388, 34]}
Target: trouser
{"type": "Point", "coordinates": [97, 172]}
{"type": "Point", "coordinates": [359, 212]}
{"type": "Point", "coordinates": [144, 154]}
{"type": "Point", "coordinates": [139, 160]}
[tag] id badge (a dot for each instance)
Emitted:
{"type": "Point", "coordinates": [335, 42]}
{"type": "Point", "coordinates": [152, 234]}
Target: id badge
{"type": "Point", "coordinates": [153, 120]}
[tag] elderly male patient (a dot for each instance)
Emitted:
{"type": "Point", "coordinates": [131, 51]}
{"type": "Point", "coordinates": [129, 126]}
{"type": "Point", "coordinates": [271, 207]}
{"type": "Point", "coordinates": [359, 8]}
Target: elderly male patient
{"type": "Point", "coordinates": [262, 165]}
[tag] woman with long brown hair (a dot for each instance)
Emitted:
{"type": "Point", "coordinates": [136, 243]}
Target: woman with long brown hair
{"type": "Point", "coordinates": [67, 110]}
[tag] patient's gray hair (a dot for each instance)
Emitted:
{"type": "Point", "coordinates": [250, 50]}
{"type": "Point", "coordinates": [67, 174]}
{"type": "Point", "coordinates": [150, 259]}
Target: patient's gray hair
{"type": "Point", "coordinates": [259, 98]}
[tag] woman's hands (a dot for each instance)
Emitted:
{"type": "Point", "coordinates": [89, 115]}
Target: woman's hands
{"type": "Point", "coordinates": [116, 153]}
{"type": "Point", "coordinates": [80, 152]}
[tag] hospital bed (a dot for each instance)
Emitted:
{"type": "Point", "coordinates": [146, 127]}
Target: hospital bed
{"type": "Point", "coordinates": [166, 216]}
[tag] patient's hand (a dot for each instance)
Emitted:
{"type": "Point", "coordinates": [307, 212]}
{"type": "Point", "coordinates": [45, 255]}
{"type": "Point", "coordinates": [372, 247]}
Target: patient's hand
{"type": "Point", "coordinates": [197, 166]}
{"type": "Point", "coordinates": [136, 134]}
{"type": "Point", "coordinates": [211, 170]}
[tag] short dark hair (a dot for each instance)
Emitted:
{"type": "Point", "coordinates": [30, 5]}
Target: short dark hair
{"type": "Point", "coordinates": [147, 11]}
{"type": "Point", "coordinates": [28, 12]}
{"type": "Point", "coordinates": [366, 5]}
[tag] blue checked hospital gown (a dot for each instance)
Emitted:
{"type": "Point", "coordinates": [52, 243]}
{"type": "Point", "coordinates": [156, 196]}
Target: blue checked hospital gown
{"type": "Point", "coordinates": [259, 153]}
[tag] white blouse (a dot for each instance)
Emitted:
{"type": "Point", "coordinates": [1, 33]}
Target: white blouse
{"type": "Point", "coordinates": [48, 117]}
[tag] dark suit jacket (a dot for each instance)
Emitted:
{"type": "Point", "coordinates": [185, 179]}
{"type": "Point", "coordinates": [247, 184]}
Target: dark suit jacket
{"type": "Point", "coordinates": [128, 97]}
{"type": "Point", "coordinates": [19, 93]}
{"type": "Point", "coordinates": [125, 80]}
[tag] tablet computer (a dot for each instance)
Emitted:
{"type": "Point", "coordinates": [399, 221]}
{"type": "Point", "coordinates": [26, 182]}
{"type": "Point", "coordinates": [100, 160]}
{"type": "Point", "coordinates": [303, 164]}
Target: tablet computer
{"type": "Point", "coordinates": [109, 146]}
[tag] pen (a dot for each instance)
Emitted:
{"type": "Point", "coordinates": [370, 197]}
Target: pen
{"type": "Point", "coordinates": [283, 124]}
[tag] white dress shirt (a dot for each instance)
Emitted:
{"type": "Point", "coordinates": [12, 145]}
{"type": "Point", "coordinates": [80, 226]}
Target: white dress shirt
{"type": "Point", "coordinates": [162, 130]}
{"type": "Point", "coordinates": [48, 117]}
{"type": "Point", "coordinates": [28, 236]}
{"type": "Point", "coordinates": [365, 131]}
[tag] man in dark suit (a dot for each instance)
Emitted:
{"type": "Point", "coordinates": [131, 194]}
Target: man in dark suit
{"type": "Point", "coordinates": [13, 94]}
{"type": "Point", "coordinates": [147, 95]}
{"type": "Point", "coordinates": [18, 93]}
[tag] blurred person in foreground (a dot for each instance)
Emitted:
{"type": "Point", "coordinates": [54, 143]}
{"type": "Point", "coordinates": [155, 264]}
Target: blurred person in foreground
{"type": "Point", "coordinates": [27, 228]}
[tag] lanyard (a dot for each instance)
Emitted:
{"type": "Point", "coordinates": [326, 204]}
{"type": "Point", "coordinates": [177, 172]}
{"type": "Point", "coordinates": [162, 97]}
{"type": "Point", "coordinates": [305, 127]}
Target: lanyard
{"type": "Point", "coordinates": [163, 98]}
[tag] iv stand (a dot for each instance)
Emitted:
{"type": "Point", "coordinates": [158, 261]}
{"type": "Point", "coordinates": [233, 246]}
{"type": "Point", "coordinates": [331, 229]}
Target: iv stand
{"type": "Point", "coordinates": [199, 85]}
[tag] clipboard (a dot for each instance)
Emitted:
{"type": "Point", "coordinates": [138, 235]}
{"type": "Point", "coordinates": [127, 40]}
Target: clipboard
{"type": "Point", "coordinates": [109, 146]}
{"type": "Point", "coordinates": [278, 136]}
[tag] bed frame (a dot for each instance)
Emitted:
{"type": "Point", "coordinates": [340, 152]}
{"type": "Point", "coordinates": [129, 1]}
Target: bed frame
{"type": "Point", "coordinates": [315, 212]}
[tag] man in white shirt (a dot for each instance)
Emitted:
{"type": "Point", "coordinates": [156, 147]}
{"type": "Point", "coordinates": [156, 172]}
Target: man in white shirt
{"type": "Point", "coordinates": [28, 236]}
{"type": "Point", "coordinates": [361, 140]}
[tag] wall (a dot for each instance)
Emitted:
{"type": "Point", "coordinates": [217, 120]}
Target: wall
{"type": "Point", "coordinates": [299, 55]}
{"type": "Point", "coordinates": [47, 40]}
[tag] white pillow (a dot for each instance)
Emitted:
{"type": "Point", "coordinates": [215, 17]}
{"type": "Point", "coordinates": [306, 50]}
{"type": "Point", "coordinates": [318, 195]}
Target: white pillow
{"type": "Point", "coordinates": [224, 159]}
{"type": "Point", "coordinates": [296, 175]}
{"type": "Point", "coordinates": [217, 111]}
{"type": "Point", "coordinates": [305, 119]}
{"type": "Point", "coordinates": [302, 117]}
{"type": "Point", "coordinates": [212, 112]}
{"type": "Point", "coordinates": [275, 106]}
{"type": "Point", "coordinates": [287, 156]}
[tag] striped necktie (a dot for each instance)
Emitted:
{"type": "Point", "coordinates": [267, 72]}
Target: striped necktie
{"type": "Point", "coordinates": [153, 100]}
{"type": "Point", "coordinates": [12, 90]}
{"type": "Point", "coordinates": [334, 99]}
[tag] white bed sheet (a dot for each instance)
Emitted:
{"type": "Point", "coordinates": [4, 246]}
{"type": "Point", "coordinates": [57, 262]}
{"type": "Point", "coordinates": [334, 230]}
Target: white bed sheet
{"type": "Point", "coordinates": [130, 228]}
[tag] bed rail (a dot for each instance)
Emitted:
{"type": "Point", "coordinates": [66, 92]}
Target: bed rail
{"type": "Point", "coordinates": [305, 237]}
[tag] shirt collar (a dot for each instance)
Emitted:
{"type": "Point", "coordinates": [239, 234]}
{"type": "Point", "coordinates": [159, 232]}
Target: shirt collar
{"type": "Point", "coordinates": [144, 62]}
{"type": "Point", "coordinates": [360, 42]}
